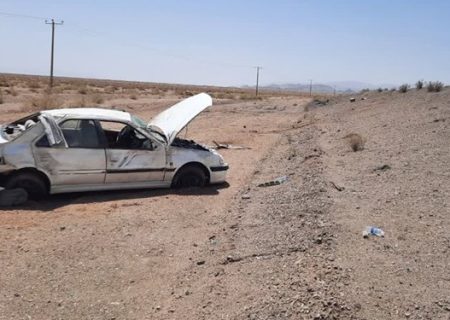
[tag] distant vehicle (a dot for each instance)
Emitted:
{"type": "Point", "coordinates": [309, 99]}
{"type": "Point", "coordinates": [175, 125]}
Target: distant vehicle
{"type": "Point", "coordinates": [87, 149]}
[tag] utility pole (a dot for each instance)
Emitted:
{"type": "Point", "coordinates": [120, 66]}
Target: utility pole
{"type": "Point", "coordinates": [310, 87]}
{"type": "Point", "coordinates": [257, 79]}
{"type": "Point", "coordinates": [53, 23]}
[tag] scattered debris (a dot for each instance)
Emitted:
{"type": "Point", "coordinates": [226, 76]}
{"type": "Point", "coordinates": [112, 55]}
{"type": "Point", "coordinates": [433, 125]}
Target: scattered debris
{"type": "Point", "coordinates": [374, 231]}
{"type": "Point", "coordinates": [384, 167]}
{"type": "Point", "coordinates": [338, 188]}
{"type": "Point", "coordinates": [12, 197]}
{"type": "Point", "coordinates": [231, 259]}
{"type": "Point", "coordinates": [228, 146]}
{"type": "Point", "coordinates": [274, 182]}
{"type": "Point", "coordinates": [311, 156]}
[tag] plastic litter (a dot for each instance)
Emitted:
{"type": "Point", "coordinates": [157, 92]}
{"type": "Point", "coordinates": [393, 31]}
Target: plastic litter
{"type": "Point", "coordinates": [373, 231]}
{"type": "Point", "coordinates": [274, 182]}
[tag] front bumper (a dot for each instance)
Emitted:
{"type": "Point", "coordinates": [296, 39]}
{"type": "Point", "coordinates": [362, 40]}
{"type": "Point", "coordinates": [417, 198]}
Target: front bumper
{"type": "Point", "coordinates": [218, 174]}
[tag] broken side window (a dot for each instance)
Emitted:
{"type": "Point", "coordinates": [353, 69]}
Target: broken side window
{"type": "Point", "coordinates": [52, 131]}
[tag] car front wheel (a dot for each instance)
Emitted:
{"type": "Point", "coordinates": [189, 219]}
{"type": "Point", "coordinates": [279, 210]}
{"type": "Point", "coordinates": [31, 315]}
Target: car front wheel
{"type": "Point", "coordinates": [189, 176]}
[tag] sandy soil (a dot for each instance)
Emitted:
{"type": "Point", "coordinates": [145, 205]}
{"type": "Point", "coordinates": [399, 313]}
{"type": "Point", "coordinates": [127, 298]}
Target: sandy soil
{"type": "Point", "coordinates": [240, 251]}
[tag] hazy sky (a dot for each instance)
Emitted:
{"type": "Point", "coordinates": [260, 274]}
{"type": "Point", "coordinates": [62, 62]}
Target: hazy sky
{"type": "Point", "coordinates": [219, 42]}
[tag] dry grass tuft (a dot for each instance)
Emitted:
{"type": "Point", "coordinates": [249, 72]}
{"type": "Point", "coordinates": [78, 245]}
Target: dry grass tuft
{"type": "Point", "coordinates": [355, 141]}
{"type": "Point", "coordinates": [34, 85]}
{"type": "Point", "coordinates": [248, 96]}
{"type": "Point", "coordinates": [43, 102]}
{"type": "Point", "coordinates": [97, 98]}
{"type": "Point", "coordinates": [83, 90]}
{"type": "Point", "coordinates": [11, 91]}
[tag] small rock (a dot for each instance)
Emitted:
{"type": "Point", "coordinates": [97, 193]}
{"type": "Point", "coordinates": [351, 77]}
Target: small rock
{"type": "Point", "coordinates": [246, 197]}
{"type": "Point", "coordinates": [201, 262]}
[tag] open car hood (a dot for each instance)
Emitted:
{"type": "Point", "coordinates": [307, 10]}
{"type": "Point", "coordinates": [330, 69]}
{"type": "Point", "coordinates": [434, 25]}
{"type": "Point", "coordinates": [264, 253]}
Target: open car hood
{"type": "Point", "coordinates": [171, 121]}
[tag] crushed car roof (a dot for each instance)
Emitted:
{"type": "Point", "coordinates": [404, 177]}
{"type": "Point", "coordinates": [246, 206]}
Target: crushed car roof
{"type": "Point", "coordinates": [92, 113]}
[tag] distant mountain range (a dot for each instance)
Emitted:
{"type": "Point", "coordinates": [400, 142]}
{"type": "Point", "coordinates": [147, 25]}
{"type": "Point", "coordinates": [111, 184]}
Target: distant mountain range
{"type": "Point", "coordinates": [328, 87]}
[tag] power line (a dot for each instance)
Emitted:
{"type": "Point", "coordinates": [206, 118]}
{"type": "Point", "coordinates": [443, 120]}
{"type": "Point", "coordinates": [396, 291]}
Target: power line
{"type": "Point", "coordinates": [17, 15]}
{"type": "Point", "coordinates": [52, 23]}
{"type": "Point", "coordinates": [94, 33]}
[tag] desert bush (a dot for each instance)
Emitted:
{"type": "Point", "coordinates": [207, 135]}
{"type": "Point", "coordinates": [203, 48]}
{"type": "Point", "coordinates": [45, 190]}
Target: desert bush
{"type": "Point", "coordinates": [34, 85]}
{"type": "Point", "coordinates": [133, 97]}
{"type": "Point", "coordinates": [403, 88]}
{"type": "Point", "coordinates": [4, 83]}
{"type": "Point", "coordinates": [11, 91]}
{"type": "Point", "coordinates": [380, 89]}
{"type": "Point", "coordinates": [419, 84]}
{"type": "Point", "coordinates": [42, 102]}
{"type": "Point", "coordinates": [1, 97]}
{"type": "Point", "coordinates": [97, 99]}
{"type": "Point", "coordinates": [247, 96]}
{"type": "Point", "coordinates": [365, 90]}
{"type": "Point", "coordinates": [355, 141]}
{"type": "Point", "coordinates": [435, 86]}
{"type": "Point", "coordinates": [83, 90]}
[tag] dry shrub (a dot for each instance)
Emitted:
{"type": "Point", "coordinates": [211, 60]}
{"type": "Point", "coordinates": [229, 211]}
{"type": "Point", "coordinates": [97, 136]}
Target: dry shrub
{"type": "Point", "coordinates": [109, 89]}
{"type": "Point", "coordinates": [355, 141]}
{"type": "Point", "coordinates": [403, 88]}
{"type": "Point", "coordinates": [83, 90]}
{"type": "Point", "coordinates": [4, 83]}
{"type": "Point", "coordinates": [419, 84]}
{"type": "Point", "coordinates": [435, 86]}
{"type": "Point", "coordinates": [133, 97]}
{"type": "Point", "coordinates": [11, 91]}
{"type": "Point", "coordinates": [247, 96]}
{"type": "Point", "coordinates": [43, 102]}
{"type": "Point", "coordinates": [97, 98]}
{"type": "Point", "coordinates": [80, 103]}
{"type": "Point", "coordinates": [1, 97]}
{"type": "Point", "coordinates": [34, 85]}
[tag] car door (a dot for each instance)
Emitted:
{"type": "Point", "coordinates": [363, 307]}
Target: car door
{"type": "Point", "coordinates": [77, 158]}
{"type": "Point", "coordinates": [131, 157]}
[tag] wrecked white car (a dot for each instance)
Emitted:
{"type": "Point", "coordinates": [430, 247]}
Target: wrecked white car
{"type": "Point", "coordinates": [87, 149]}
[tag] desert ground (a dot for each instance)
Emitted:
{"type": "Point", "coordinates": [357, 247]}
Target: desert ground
{"type": "Point", "coordinates": [240, 250]}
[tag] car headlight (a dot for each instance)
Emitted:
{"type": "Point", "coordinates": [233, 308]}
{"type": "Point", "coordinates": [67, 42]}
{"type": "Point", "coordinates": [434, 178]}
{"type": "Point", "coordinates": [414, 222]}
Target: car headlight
{"type": "Point", "coordinates": [221, 160]}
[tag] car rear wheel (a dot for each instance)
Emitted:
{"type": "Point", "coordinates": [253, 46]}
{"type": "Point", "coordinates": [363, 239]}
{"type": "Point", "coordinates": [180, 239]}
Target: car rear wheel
{"type": "Point", "coordinates": [190, 176]}
{"type": "Point", "coordinates": [33, 184]}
